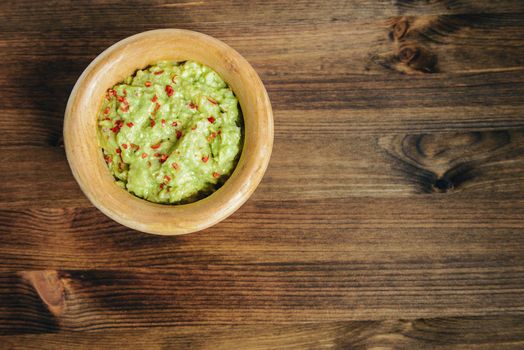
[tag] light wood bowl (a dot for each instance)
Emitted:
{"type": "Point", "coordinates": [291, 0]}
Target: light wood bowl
{"type": "Point", "coordinates": [123, 59]}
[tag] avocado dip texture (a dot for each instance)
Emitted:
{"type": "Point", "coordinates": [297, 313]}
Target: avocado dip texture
{"type": "Point", "coordinates": [171, 133]}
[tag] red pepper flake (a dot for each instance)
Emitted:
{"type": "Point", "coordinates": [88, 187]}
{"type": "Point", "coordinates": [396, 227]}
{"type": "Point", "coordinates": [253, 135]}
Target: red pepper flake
{"type": "Point", "coordinates": [174, 123]}
{"type": "Point", "coordinates": [192, 105]}
{"type": "Point", "coordinates": [107, 118]}
{"type": "Point", "coordinates": [213, 101]}
{"type": "Point", "coordinates": [212, 136]}
{"type": "Point", "coordinates": [121, 98]}
{"type": "Point", "coordinates": [118, 125]}
{"type": "Point", "coordinates": [125, 92]}
{"type": "Point", "coordinates": [152, 122]}
{"type": "Point", "coordinates": [144, 155]}
{"type": "Point", "coordinates": [161, 186]}
{"type": "Point", "coordinates": [156, 155]}
{"type": "Point", "coordinates": [216, 175]}
{"type": "Point", "coordinates": [154, 99]}
{"type": "Point", "coordinates": [219, 132]}
{"type": "Point", "coordinates": [147, 83]}
{"type": "Point", "coordinates": [205, 159]}
{"type": "Point", "coordinates": [108, 159]}
{"type": "Point", "coordinates": [135, 147]}
{"type": "Point", "coordinates": [178, 134]}
{"type": "Point", "coordinates": [193, 127]}
{"type": "Point", "coordinates": [167, 178]}
{"type": "Point", "coordinates": [158, 72]}
{"type": "Point", "coordinates": [163, 158]}
{"type": "Point", "coordinates": [130, 124]}
{"type": "Point", "coordinates": [169, 90]}
{"type": "Point", "coordinates": [124, 145]}
{"type": "Point", "coordinates": [156, 146]}
{"type": "Point", "coordinates": [125, 108]}
{"type": "Point", "coordinates": [106, 111]}
{"type": "Point", "coordinates": [163, 123]}
{"type": "Point", "coordinates": [173, 79]}
{"type": "Point", "coordinates": [118, 151]}
{"type": "Point", "coordinates": [157, 107]}
{"type": "Point", "coordinates": [175, 165]}
{"type": "Point", "coordinates": [211, 119]}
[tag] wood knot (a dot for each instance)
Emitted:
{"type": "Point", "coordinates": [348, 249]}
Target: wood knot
{"type": "Point", "coordinates": [50, 288]}
{"type": "Point", "coordinates": [447, 162]}
{"type": "Point", "coordinates": [400, 28]}
{"type": "Point", "coordinates": [418, 58]}
{"type": "Point", "coordinates": [408, 54]}
{"type": "Point", "coordinates": [442, 185]}
{"type": "Point", "coordinates": [411, 53]}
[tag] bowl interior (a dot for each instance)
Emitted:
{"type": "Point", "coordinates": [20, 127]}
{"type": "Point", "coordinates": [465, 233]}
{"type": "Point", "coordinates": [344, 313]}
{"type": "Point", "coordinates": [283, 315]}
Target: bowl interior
{"type": "Point", "coordinates": [122, 60]}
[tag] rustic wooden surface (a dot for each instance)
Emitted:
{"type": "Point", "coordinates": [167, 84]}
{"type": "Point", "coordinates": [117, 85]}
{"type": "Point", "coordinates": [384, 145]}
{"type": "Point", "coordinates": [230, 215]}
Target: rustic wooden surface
{"type": "Point", "coordinates": [391, 215]}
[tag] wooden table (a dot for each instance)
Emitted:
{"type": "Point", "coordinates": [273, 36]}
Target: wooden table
{"type": "Point", "coordinates": [391, 215]}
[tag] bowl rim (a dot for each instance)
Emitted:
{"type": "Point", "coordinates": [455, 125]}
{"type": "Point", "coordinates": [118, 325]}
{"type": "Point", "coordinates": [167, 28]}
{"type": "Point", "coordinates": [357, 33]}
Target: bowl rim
{"type": "Point", "coordinates": [182, 218]}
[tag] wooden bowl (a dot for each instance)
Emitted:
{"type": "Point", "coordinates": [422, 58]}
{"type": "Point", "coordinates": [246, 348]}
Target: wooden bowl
{"type": "Point", "coordinates": [122, 60]}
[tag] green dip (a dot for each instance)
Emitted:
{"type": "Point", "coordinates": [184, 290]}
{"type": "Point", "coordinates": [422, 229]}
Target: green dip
{"type": "Point", "coordinates": [170, 133]}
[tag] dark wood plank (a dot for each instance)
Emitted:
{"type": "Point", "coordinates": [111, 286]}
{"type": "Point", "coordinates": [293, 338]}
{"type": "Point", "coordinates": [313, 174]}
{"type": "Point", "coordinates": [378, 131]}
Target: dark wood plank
{"type": "Point", "coordinates": [306, 48]}
{"type": "Point", "coordinates": [475, 164]}
{"type": "Point", "coordinates": [353, 231]}
{"type": "Point", "coordinates": [91, 300]}
{"type": "Point", "coordinates": [409, 103]}
{"type": "Point", "coordinates": [500, 332]}
{"type": "Point", "coordinates": [140, 15]}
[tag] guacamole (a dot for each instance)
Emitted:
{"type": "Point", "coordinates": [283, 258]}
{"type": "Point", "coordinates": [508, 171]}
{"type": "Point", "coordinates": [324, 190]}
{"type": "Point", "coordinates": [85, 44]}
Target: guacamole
{"type": "Point", "coordinates": [171, 133]}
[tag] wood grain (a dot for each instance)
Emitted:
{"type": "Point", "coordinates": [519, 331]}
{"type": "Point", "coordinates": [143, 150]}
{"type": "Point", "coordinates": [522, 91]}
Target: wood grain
{"type": "Point", "coordinates": [83, 239]}
{"type": "Point", "coordinates": [463, 333]}
{"type": "Point", "coordinates": [391, 214]}
{"type": "Point", "coordinates": [390, 164]}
